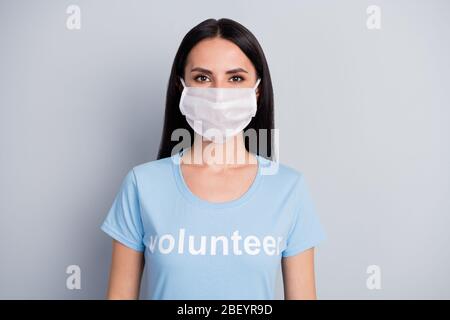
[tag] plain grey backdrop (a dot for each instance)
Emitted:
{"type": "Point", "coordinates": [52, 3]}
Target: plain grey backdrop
{"type": "Point", "coordinates": [363, 113]}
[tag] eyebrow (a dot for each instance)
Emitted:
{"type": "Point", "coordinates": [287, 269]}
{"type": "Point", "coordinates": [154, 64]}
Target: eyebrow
{"type": "Point", "coordinates": [235, 70]}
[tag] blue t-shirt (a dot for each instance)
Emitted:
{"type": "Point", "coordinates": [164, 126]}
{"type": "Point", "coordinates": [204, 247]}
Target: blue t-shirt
{"type": "Point", "coordinates": [197, 249]}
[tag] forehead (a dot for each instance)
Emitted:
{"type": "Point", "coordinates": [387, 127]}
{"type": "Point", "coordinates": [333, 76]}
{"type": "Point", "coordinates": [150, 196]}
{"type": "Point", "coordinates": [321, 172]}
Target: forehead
{"type": "Point", "coordinates": [218, 55]}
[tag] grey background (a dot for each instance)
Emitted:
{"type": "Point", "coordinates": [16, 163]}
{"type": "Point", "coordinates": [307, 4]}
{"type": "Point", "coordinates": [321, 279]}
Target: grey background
{"type": "Point", "coordinates": [363, 113]}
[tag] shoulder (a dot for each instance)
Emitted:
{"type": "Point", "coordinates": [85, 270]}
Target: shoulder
{"type": "Point", "coordinates": [285, 179]}
{"type": "Point", "coordinates": [153, 165]}
{"type": "Point", "coordinates": [280, 171]}
{"type": "Point", "coordinates": [151, 171]}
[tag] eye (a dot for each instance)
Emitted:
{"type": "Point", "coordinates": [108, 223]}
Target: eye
{"type": "Point", "coordinates": [237, 79]}
{"type": "Point", "coordinates": [201, 78]}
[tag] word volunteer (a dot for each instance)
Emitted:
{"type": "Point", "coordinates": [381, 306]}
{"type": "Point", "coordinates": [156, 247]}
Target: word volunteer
{"type": "Point", "coordinates": [252, 245]}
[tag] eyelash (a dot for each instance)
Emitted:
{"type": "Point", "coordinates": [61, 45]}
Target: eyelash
{"type": "Point", "coordinates": [196, 78]}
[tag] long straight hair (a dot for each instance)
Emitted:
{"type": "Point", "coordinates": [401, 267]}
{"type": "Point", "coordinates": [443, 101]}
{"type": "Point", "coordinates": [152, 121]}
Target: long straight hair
{"type": "Point", "coordinates": [233, 31]}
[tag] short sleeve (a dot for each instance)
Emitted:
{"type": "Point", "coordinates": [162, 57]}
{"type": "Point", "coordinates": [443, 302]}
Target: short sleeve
{"type": "Point", "coordinates": [307, 230]}
{"type": "Point", "coordinates": [123, 221]}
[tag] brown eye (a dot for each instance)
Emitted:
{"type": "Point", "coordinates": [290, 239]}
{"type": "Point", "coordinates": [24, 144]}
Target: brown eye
{"type": "Point", "coordinates": [237, 79]}
{"type": "Point", "coordinates": [202, 78]}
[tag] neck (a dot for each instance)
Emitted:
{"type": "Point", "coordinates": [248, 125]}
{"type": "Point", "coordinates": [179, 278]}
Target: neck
{"type": "Point", "coordinates": [232, 153]}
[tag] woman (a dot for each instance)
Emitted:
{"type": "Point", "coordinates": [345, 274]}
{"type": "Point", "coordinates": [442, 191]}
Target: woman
{"type": "Point", "coordinates": [208, 218]}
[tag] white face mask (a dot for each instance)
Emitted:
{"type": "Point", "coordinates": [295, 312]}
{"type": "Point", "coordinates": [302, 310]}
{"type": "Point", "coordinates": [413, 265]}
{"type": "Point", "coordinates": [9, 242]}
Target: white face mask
{"type": "Point", "coordinates": [218, 113]}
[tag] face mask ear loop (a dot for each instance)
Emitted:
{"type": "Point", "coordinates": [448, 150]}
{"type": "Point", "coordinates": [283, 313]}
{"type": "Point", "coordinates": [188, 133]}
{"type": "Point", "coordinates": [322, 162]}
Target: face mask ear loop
{"type": "Point", "coordinates": [257, 83]}
{"type": "Point", "coordinates": [182, 81]}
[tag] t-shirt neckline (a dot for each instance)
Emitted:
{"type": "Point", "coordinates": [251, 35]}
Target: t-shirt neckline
{"type": "Point", "coordinates": [196, 200]}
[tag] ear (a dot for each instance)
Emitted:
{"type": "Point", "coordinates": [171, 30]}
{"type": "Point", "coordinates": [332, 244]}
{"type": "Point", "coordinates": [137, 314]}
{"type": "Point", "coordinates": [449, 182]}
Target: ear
{"type": "Point", "coordinates": [179, 85]}
{"type": "Point", "coordinates": [258, 89]}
